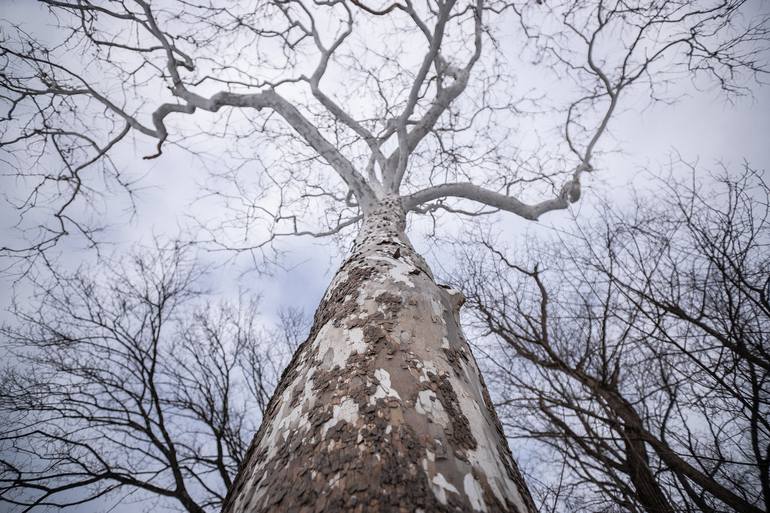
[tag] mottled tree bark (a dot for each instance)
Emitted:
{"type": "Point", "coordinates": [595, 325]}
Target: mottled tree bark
{"type": "Point", "coordinates": [383, 407]}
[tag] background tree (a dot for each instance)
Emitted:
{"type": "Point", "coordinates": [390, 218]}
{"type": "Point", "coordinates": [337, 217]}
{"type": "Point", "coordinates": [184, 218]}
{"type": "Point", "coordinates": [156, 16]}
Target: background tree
{"type": "Point", "coordinates": [636, 349]}
{"type": "Point", "coordinates": [365, 113]}
{"type": "Point", "coordinates": [124, 384]}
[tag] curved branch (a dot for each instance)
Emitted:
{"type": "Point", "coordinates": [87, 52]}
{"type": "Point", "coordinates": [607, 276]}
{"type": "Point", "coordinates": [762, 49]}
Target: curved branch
{"type": "Point", "coordinates": [569, 193]}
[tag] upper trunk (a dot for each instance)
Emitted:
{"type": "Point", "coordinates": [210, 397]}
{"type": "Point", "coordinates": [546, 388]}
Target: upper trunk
{"type": "Point", "coordinates": [383, 407]}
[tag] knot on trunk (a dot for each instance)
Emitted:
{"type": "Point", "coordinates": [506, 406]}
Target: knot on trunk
{"type": "Point", "coordinates": [456, 298]}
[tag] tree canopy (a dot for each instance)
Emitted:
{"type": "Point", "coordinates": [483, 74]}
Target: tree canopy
{"type": "Point", "coordinates": [337, 104]}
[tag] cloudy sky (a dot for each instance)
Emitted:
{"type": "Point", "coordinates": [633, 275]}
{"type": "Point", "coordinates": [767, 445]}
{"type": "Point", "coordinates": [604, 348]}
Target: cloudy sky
{"type": "Point", "coordinates": [700, 126]}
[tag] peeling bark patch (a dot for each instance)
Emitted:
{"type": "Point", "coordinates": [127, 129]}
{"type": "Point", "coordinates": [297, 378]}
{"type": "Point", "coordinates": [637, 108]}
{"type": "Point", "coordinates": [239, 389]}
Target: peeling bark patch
{"type": "Point", "coordinates": [441, 486]}
{"type": "Point", "coordinates": [457, 359]}
{"type": "Point", "coordinates": [340, 302]}
{"type": "Point", "coordinates": [428, 404]}
{"type": "Point", "coordinates": [475, 494]}
{"type": "Point", "coordinates": [347, 411]}
{"type": "Point", "coordinates": [383, 385]}
{"type": "Point", "coordinates": [460, 436]}
{"type": "Point", "coordinates": [389, 303]}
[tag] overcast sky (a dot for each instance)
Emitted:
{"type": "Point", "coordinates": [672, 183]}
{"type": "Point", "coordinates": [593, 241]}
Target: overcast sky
{"type": "Point", "coordinates": [701, 126]}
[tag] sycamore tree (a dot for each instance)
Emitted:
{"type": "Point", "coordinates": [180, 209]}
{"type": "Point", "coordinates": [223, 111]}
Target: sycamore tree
{"type": "Point", "coordinates": [342, 116]}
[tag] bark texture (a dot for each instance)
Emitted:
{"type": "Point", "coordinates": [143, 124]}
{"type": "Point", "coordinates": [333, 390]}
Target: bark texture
{"type": "Point", "coordinates": [383, 408]}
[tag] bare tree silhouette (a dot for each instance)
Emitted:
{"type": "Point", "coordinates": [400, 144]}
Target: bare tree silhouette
{"type": "Point", "coordinates": [125, 381]}
{"type": "Point", "coordinates": [645, 337]}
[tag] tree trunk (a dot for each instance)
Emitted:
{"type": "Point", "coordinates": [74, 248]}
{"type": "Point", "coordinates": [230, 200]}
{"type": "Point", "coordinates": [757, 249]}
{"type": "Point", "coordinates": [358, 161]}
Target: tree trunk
{"type": "Point", "coordinates": [648, 490]}
{"type": "Point", "coordinates": [382, 408]}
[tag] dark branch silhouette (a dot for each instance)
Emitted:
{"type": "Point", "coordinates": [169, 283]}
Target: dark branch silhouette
{"type": "Point", "coordinates": [127, 381]}
{"type": "Point", "coordinates": [642, 349]}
